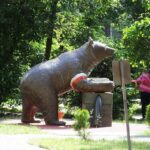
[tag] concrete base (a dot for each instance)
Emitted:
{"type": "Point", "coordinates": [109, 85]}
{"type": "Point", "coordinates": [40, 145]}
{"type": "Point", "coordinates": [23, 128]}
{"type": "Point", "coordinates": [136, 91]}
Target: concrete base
{"type": "Point", "coordinates": [88, 102]}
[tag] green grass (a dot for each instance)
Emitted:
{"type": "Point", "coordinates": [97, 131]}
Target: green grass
{"type": "Point", "coordinates": [147, 133]}
{"type": "Point", "coordinates": [78, 144]}
{"type": "Point", "coordinates": [19, 129]}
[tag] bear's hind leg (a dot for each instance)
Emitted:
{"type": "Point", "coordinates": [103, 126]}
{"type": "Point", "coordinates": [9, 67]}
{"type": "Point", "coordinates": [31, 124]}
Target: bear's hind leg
{"type": "Point", "coordinates": [49, 109]}
{"type": "Point", "coordinates": [28, 111]}
{"type": "Point", "coordinates": [33, 111]}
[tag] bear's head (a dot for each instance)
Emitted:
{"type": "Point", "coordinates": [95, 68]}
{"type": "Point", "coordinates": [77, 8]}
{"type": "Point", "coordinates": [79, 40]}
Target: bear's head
{"type": "Point", "coordinates": [99, 50]}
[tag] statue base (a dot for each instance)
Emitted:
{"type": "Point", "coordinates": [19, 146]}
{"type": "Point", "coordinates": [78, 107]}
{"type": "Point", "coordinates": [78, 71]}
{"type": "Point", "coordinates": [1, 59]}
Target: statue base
{"type": "Point", "coordinates": [89, 101]}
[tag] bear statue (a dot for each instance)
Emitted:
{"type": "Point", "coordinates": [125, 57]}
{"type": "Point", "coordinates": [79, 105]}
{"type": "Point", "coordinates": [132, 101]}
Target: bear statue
{"type": "Point", "coordinates": [43, 83]}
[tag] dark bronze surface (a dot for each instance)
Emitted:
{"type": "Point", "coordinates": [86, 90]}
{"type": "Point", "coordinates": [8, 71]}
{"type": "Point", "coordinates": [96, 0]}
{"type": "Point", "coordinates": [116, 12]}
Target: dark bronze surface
{"type": "Point", "coordinates": [43, 83]}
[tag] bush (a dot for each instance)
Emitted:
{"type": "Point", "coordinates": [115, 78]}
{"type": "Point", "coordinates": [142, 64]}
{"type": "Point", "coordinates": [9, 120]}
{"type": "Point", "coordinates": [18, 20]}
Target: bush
{"type": "Point", "coordinates": [118, 111]}
{"type": "Point", "coordinates": [82, 123]}
{"type": "Point", "coordinates": [10, 108]}
{"type": "Point", "coordinates": [148, 114]}
{"type": "Point", "coordinates": [133, 110]}
{"type": "Point", "coordinates": [136, 40]}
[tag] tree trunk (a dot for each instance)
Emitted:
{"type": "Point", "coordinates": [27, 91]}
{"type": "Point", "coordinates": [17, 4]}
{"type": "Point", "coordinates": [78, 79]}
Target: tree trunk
{"type": "Point", "coordinates": [52, 19]}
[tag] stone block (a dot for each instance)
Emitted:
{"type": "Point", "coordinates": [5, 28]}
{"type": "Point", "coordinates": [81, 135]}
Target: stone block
{"type": "Point", "coordinates": [88, 102]}
{"type": "Point", "coordinates": [106, 121]}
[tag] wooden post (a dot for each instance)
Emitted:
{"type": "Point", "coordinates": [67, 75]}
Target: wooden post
{"type": "Point", "coordinates": [125, 104]}
{"type": "Point", "coordinates": [121, 76]}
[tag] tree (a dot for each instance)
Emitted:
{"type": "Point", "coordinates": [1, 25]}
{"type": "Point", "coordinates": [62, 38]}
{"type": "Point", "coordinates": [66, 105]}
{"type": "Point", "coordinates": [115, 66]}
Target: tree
{"type": "Point", "coordinates": [134, 8]}
{"type": "Point", "coordinates": [76, 20]}
{"type": "Point", "coordinates": [137, 43]}
{"type": "Point", "coordinates": [63, 25]}
{"type": "Point", "coordinates": [52, 19]}
{"type": "Point", "coordinates": [20, 23]}
{"type": "Point", "coordinates": [134, 45]}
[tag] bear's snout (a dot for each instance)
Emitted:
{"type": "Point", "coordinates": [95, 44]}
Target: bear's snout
{"type": "Point", "coordinates": [110, 51]}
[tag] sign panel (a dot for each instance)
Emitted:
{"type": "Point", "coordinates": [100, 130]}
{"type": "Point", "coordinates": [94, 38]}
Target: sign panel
{"type": "Point", "coordinates": [121, 71]}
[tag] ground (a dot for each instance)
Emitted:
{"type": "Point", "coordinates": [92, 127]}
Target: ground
{"type": "Point", "coordinates": [117, 131]}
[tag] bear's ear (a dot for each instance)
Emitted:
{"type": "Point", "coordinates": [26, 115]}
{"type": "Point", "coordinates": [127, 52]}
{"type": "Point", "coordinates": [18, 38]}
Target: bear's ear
{"type": "Point", "coordinates": [90, 41]}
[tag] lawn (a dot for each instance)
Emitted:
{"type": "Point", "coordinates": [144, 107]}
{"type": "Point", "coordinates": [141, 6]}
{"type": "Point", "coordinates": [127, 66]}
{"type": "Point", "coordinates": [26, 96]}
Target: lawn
{"type": "Point", "coordinates": [147, 132]}
{"type": "Point", "coordinates": [78, 144]}
{"type": "Point", "coordinates": [71, 144]}
{"type": "Point", "coordinates": [18, 129]}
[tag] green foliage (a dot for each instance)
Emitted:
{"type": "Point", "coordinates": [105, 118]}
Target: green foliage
{"type": "Point", "coordinates": [148, 114]}
{"type": "Point", "coordinates": [20, 23]}
{"type": "Point", "coordinates": [133, 110]}
{"type": "Point", "coordinates": [82, 122]}
{"type": "Point", "coordinates": [147, 133]}
{"type": "Point", "coordinates": [70, 111]}
{"type": "Point", "coordinates": [118, 112]}
{"type": "Point", "coordinates": [79, 19]}
{"type": "Point", "coordinates": [72, 99]}
{"type": "Point", "coordinates": [10, 108]}
{"type": "Point", "coordinates": [25, 26]}
{"type": "Point", "coordinates": [134, 8]}
{"type": "Point", "coordinates": [136, 40]}
{"type": "Point", "coordinates": [18, 129]}
{"type": "Point", "coordinates": [133, 106]}
{"type": "Point", "coordinates": [104, 69]}
{"type": "Point", "coordinates": [77, 144]}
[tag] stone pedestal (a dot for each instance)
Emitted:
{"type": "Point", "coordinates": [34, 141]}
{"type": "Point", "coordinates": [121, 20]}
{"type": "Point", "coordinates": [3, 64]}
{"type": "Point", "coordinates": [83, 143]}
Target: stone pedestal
{"type": "Point", "coordinates": [88, 102]}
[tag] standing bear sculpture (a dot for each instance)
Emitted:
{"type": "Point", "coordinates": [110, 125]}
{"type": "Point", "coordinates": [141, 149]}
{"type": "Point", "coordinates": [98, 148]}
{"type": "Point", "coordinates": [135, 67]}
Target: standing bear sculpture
{"type": "Point", "coordinates": [43, 83]}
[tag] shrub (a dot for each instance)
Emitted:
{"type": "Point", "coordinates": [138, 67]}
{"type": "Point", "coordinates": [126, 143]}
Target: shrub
{"type": "Point", "coordinates": [133, 110]}
{"type": "Point", "coordinates": [148, 114]}
{"type": "Point", "coordinates": [82, 123]}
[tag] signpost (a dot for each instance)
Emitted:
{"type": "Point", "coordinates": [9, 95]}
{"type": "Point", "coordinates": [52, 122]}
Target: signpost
{"type": "Point", "coordinates": [121, 76]}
